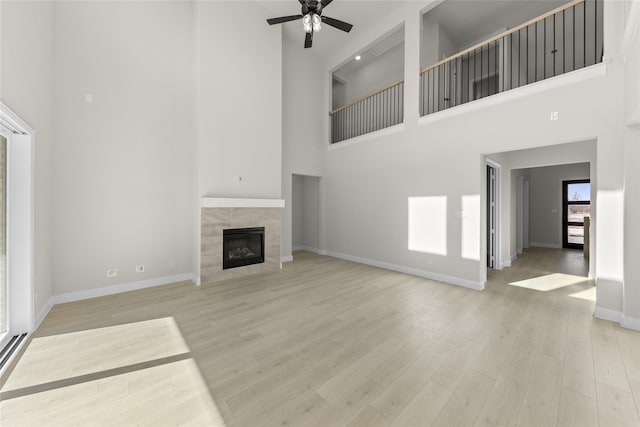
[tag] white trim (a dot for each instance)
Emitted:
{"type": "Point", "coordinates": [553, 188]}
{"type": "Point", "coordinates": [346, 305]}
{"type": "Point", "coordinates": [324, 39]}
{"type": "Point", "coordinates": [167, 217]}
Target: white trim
{"type": "Point", "coordinates": [545, 245]}
{"type": "Point", "coordinates": [478, 286]}
{"type": "Point", "coordinates": [226, 202]}
{"type": "Point", "coordinates": [591, 72]}
{"type": "Point", "coordinates": [507, 262]}
{"type": "Point", "coordinates": [607, 314]}
{"type": "Point", "coordinates": [43, 313]}
{"type": "Point", "coordinates": [306, 248]}
{"type": "Point", "coordinates": [195, 279]}
{"type": "Point", "coordinates": [20, 220]}
{"type": "Point", "coordinates": [617, 317]}
{"type": "Point", "coordinates": [630, 323]}
{"type": "Point", "coordinates": [14, 121]}
{"type": "Point", "coordinates": [367, 136]}
{"type": "Point", "coordinates": [286, 258]}
{"type": "Point", "coordinates": [117, 289]}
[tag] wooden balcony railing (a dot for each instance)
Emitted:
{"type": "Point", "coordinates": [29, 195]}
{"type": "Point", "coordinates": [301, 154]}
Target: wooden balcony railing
{"type": "Point", "coordinates": [562, 40]}
{"type": "Point", "coordinates": [565, 39]}
{"type": "Point", "coordinates": [377, 111]}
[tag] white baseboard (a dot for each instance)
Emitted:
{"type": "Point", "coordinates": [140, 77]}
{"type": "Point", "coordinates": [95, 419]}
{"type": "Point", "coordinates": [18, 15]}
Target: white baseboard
{"type": "Point", "coordinates": [286, 258]}
{"type": "Point", "coordinates": [125, 287]}
{"type": "Point", "coordinates": [618, 317]}
{"type": "Point", "coordinates": [607, 314]}
{"type": "Point", "coordinates": [307, 248]}
{"type": "Point", "coordinates": [195, 279]}
{"type": "Point", "coordinates": [43, 313]}
{"type": "Point", "coordinates": [545, 245]}
{"type": "Point", "coordinates": [630, 323]}
{"type": "Point", "coordinates": [478, 286]}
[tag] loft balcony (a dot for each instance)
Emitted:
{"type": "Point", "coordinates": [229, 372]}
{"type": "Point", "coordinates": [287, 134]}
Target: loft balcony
{"type": "Point", "coordinates": [567, 38]}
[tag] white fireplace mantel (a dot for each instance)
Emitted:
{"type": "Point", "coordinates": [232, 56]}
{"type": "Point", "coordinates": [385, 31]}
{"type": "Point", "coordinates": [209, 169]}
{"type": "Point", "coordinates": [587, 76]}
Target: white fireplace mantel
{"type": "Point", "coordinates": [221, 202]}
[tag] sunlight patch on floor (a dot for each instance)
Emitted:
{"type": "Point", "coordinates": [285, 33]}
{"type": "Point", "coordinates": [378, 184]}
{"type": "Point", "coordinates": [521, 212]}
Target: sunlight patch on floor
{"type": "Point", "coordinates": [79, 353]}
{"type": "Point", "coordinates": [550, 282]}
{"type": "Point", "coordinates": [171, 394]}
{"type": "Point", "coordinates": [588, 294]}
{"type": "Point", "coordinates": [139, 373]}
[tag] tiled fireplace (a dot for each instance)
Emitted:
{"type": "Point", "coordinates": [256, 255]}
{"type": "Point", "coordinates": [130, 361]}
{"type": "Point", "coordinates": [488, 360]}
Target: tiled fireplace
{"type": "Point", "coordinates": [251, 215]}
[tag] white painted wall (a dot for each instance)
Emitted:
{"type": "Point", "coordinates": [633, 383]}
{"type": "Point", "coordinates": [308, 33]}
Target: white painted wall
{"type": "Point", "coordinates": [297, 211]}
{"type": "Point", "coordinates": [26, 86]}
{"type": "Point", "coordinates": [239, 100]}
{"type": "Point", "coordinates": [303, 129]}
{"type": "Point", "coordinates": [520, 162]}
{"type": "Point", "coordinates": [305, 211]}
{"type": "Point", "coordinates": [379, 73]}
{"type": "Point", "coordinates": [545, 210]}
{"type": "Point", "coordinates": [631, 49]}
{"type": "Point", "coordinates": [367, 184]}
{"type": "Point", "coordinates": [123, 163]}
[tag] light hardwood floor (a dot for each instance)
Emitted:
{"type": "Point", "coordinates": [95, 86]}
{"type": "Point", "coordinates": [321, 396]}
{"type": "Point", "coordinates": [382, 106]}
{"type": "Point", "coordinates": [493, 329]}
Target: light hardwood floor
{"type": "Point", "coordinates": [326, 342]}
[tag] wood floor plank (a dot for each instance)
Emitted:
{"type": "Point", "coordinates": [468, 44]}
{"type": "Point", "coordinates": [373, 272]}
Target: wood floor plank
{"type": "Point", "coordinates": [463, 407]}
{"type": "Point", "coordinates": [425, 407]}
{"type": "Point", "coordinates": [577, 410]}
{"type": "Point", "coordinates": [616, 407]}
{"type": "Point", "coordinates": [540, 404]}
{"type": "Point", "coordinates": [326, 342]}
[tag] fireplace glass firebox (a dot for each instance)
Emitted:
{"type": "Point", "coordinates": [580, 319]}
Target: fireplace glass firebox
{"type": "Point", "coordinates": [242, 246]}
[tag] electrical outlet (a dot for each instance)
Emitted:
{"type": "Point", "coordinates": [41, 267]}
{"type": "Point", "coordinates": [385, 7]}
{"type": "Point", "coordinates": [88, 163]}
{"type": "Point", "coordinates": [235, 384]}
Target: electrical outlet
{"type": "Point", "coordinates": [139, 268]}
{"type": "Point", "coordinates": [172, 264]}
{"type": "Point", "coordinates": [112, 272]}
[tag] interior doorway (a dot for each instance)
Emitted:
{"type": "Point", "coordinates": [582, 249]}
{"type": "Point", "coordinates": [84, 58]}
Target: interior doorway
{"type": "Point", "coordinates": [305, 213]}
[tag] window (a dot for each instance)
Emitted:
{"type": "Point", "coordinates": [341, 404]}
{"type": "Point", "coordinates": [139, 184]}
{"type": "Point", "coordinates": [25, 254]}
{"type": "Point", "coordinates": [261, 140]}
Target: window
{"type": "Point", "coordinates": [576, 205]}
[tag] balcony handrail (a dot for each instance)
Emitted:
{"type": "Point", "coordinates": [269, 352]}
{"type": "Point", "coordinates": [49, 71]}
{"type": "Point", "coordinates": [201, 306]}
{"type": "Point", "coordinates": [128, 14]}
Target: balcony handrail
{"type": "Point", "coordinates": [364, 98]}
{"type": "Point", "coordinates": [503, 34]}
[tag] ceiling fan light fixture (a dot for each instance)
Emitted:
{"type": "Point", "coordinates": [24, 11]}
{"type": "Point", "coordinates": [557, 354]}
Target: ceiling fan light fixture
{"type": "Point", "coordinates": [306, 23]}
{"type": "Point", "coordinates": [315, 20]}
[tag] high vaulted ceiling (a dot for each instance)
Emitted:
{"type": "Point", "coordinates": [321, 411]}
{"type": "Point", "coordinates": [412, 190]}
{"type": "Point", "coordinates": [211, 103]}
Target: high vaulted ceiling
{"type": "Point", "coordinates": [360, 13]}
{"type": "Point", "coordinates": [466, 21]}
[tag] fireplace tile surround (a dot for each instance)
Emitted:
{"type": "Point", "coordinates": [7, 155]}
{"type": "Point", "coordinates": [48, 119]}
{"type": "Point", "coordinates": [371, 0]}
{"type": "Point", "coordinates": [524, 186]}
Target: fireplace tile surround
{"type": "Point", "coordinates": [218, 214]}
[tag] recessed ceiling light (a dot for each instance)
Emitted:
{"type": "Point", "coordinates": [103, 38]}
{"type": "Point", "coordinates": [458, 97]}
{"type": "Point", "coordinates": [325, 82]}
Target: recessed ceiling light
{"type": "Point", "coordinates": [358, 58]}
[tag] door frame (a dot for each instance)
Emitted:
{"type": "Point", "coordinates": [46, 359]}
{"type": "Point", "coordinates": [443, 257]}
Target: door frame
{"type": "Point", "coordinates": [20, 222]}
{"type": "Point", "coordinates": [565, 214]}
{"type": "Point", "coordinates": [497, 260]}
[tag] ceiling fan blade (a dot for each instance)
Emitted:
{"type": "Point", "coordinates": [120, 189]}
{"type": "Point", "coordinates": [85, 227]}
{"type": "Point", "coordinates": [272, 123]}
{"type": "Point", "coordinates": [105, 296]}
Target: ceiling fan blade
{"type": "Point", "coordinates": [282, 19]}
{"type": "Point", "coordinates": [325, 3]}
{"type": "Point", "coordinates": [308, 39]}
{"type": "Point", "coordinates": [336, 23]}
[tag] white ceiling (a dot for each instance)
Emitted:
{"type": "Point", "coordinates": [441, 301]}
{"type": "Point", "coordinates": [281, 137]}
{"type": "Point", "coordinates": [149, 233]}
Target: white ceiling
{"type": "Point", "coordinates": [466, 21]}
{"type": "Point", "coordinates": [471, 21]}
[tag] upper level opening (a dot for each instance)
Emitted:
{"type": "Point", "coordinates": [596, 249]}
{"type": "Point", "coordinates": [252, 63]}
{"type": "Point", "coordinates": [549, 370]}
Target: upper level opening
{"type": "Point", "coordinates": [367, 91]}
{"type": "Point", "coordinates": [470, 50]}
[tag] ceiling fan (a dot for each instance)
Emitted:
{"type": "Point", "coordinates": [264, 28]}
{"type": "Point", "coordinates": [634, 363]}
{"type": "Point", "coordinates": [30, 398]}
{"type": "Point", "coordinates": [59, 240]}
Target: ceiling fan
{"type": "Point", "coordinates": [311, 16]}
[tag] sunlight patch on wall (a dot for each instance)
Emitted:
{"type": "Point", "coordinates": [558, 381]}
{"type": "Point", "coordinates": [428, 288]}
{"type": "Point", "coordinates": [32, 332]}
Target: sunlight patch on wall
{"type": "Point", "coordinates": [428, 224]}
{"type": "Point", "coordinates": [610, 211]}
{"type": "Point", "coordinates": [550, 282]}
{"type": "Point", "coordinates": [471, 227]}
